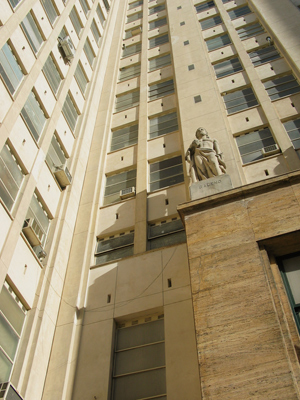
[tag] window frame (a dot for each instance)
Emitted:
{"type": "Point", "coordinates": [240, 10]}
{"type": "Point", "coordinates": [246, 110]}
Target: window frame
{"type": "Point", "coordinates": [117, 247]}
{"type": "Point", "coordinates": [10, 59]}
{"type": "Point", "coordinates": [128, 135]}
{"type": "Point", "coordinates": [269, 139]}
{"type": "Point", "coordinates": [236, 108]}
{"type": "Point", "coordinates": [50, 78]}
{"type": "Point", "coordinates": [29, 38]}
{"type": "Point", "coordinates": [282, 81]}
{"type": "Point", "coordinates": [168, 175]}
{"type": "Point", "coordinates": [228, 71]}
{"type": "Point", "coordinates": [32, 126]}
{"type": "Point", "coordinates": [115, 183]}
{"type": "Point", "coordinates": [161, 89]}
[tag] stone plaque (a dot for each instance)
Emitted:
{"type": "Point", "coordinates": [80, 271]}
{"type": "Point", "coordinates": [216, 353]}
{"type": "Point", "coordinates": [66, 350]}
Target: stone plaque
{"type": "Point", "coordinates": [210, 186]}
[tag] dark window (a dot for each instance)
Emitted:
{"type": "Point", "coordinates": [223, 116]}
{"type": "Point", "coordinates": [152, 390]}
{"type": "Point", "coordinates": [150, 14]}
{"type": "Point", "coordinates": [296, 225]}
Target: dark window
{"type": "Point", "coordinates": [218, 42]}
{"type": "Point", "coordinates": [161, 125]}
{"type": "Point", "coordinates": [161, 89]}
{"type": "Point", "coordinates": [159, 62]}
{"type": "Point", "coordinates": [251, 144]}
{"type": "Point", "coordinates": [127, 100]}
{"type": "Point", "coordinates": [227, 67]}
{"type": "Point", "coordinates": [249, 31]}
{"type": "Point", "coordinates": [290, 272]}
{"type": "Point", "coordinates": [204, 6]}
{"type": "Point", "coordinates": [124, 137]}
{"type": "Point", "coordinates": [165, 234]}
{"type": "Point", "coordinates": [281, 87]}
{"type": "Point", "coordinates": [264, 55]}
{"type": "Point", "coordinates": [211, 22]}
{"type": "Point", "coordinates": [166, 173]}
{"type": "Point", "coordinates": [116, 183]}
{"type": "Point", "coordinates": [52, 75]}
{"type": "Point", "coordinates": [33, 116]}
{"type": "Point", "coordinates": [239, 100]}
{"type": "Point", "coordinates": [157, 9]}
{"type": "Point", "coordinates": [239, 12]}
{"type": "Point", "coordinates": [10, 69]}
{"type": "Point", "coordinates": [158, 40]}
{"type": "Point", "coordinates": [293, 130]}
{"type": "Point", "coordinates": [157, 23]}
{"type": "Point", "coordinates": [114, 248]}
{"type": "Point", "coordinates": [130, 50]}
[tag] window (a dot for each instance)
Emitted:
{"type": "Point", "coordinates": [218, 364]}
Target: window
{"type": "Point", "coordinates": [127, 100]}
{"type": "Point", "coordinates": [11, 177]}
{"type": "Point", "coordinates": [251, 144]}
{"type": "Point", "coordinates": [130, 50]}
{"type": "Point", "coordinates": [75, 21]}
{"type": "Point", "coordinates": [158, 40]}
{"type": "Point", "coordinates": [139, 365]}
{"type": "Point", "coordinates": [85, 6]}
{"type": "Point", "coordinates": [293, 130]}
{"type": "Point", "coordinates": [114, 248]}
{"type": "Point", "coordinates": [249, 31]}
{"type": "Point", "coordinates": [166, 173]}
{"type": "Point", "coordinates": [204, 6]}
{"type": "Point", "coordinates": [14, 3]}
{"type": "Point", "coordinates": [32, 32]}
{"type": "Point", "coordinates": [129, 72]}
{"type": "Point", "coordinates": [161, 89]}
{"type": "Point", "coordinates": [157, 23]}
{"type": "Point", "coordinates": [89, 52]}
{"type": "Point", "coordinates": [10, 70]}
{"type": "Point", "coordinates": [226, 1]}
{"type": "Point", "coordinates": [33, 116]}
{"type": "Point", "coordinates": [165, 233]}
{"type": "Point", "coordinates": [157, 9]}
{"type": "Point", "coordinates": [290, 272]}
{"type": "Point", "coordinates": [239, 100]}
{"type": "Point", "coordinates": [81, 78]}
{"type": "Point", "coordinates": [124, 137]}
{"type": "Point", "coordinates": [211, 22]}
{"type": "Point", "coordinates": [264, 55]}
{"type": "Point", "coordinates": [95, 32]}
{"type": "Point", "coordinates": [227, 67]}
{"type": "Point", "coordinates": [100, 15]}
{"type": "Point", "coordinates": [159, 62]}
{"type": "Point", "coordinates": [163, 124]}
{"type": "Point", "coordinates": [135, 4]}
{"type": "Point", "coordinates": [12, 318]}
{"type": "Point", "coordinates": [281, 87]}
{"type": "Point", "coordinates": [132, 32]}
{"type": "Point", "coordinates": [115, 183]}
{"type": "Point", "coordinates": [134, 17]}
{"type": "Point", "coordinates": [218, 42]}
{"type": "Point", "coordinates": [55, 157]}
{"type": "Point", "coordinates": [52, 75]}
{"type": "Point", "coordinates": [50, 10]}
{"type": "Point", "coordinates": [38, 218]}
{"type": "Point", "coordinates": [239, 12]}
{"type": "Point", "coordinates": [70, 112]}
{"type": "Point", "coordinates": [106, 5]}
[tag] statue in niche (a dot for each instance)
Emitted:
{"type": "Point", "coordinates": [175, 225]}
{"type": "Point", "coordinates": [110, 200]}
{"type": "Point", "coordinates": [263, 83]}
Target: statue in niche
{"type": "Point", "coordinates": [204, 157]}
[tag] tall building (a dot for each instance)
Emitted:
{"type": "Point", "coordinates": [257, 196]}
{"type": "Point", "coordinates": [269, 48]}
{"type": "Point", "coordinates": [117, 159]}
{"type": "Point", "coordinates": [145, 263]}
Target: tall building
{"type": "Point", "coordinates": [118, 281]}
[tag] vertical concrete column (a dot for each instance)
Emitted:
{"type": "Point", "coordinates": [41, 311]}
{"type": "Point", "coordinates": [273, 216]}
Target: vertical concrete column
{"type": "Point", "coordinates": [140, 236]}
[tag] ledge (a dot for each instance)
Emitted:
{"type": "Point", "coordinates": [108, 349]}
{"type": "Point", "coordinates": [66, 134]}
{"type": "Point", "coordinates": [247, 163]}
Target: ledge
{"type": "Point", "coordinates": [239, 193]}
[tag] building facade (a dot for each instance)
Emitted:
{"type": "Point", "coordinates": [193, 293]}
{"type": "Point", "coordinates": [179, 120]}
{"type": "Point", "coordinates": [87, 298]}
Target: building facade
{"type": "Point", "coordinates": [116, 284]}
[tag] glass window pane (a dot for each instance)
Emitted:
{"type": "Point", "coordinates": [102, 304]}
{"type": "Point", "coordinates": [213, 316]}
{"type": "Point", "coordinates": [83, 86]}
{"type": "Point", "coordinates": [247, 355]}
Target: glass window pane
{"type": "Point", "coordinates": [157, 23]}
{"type": "Point", "coordinates": [218, 42]}
{"type": "Point", "coordinates": [238, 12]}
{"type": "Point", "coordinates": [89, 52]}
{"type": "Point", "coordinates": [124, 137]}
{"type": "Point", "coordinates": [50, 10]}
{"type": "Point", "coordinates": [100, 15]}
{"type": "Point", "coordinates": [141, 385]}
{"type": "Point", "coordinates": [75, 21]}
{"type": "Point", "coordinates": [157, 41]}
{"type": "Point", "coordinates": [130, 50]}
{"type": "Point", "coordinates": [8, 338]}
{"type": "Point", "coordinates": [227, 67]}
{"type": "Point", "coordinates": [249, 31]}
{"type": "Point", "coordinates": [81, 78]}
{"type": "Point", "coordinates": [9, 69]}
{"type": "Point", "coordinates": [211, 22]}
{"type": "Point", "coordinates": [34, 116]}
{"type": "Point", "coordinates": [32, 32]}
{"type": "Point", "coordinates": [205, 6]}
{"type": "Point", "coordinates": [5, 367]}
{"type": "Point", "coordinates": [84, 6]}
{"type": "Point", "coordinates": [52, 75]}
{"type": "Point", "coordinates": [292, 271]}
{"type": "Point", "coordinates": [95, 32]}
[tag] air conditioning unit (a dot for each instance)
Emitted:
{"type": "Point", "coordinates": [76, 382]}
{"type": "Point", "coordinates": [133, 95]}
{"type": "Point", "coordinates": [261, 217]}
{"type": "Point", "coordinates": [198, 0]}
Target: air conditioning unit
{"type": "Point", "coordinates": [68, 47]}
{"type": "Point", "coordinates": [8, 392]}
{"type": "Point", "coordinates": [128, 192]}
{"type": "Point", "coordinates": [136, 31]}
{"type": "Point", "coordinates": [40, 252]}
{"type": "Point", "coordinates": [63, 176]}
{"type": "Point", "coordinates": [33, 232]}
{"type": "Point", "coordinates": [269, 150]}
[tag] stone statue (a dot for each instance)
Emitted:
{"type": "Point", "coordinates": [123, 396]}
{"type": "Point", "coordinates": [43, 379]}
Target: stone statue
{"type": "Point", "coordinates": [204, 157]}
